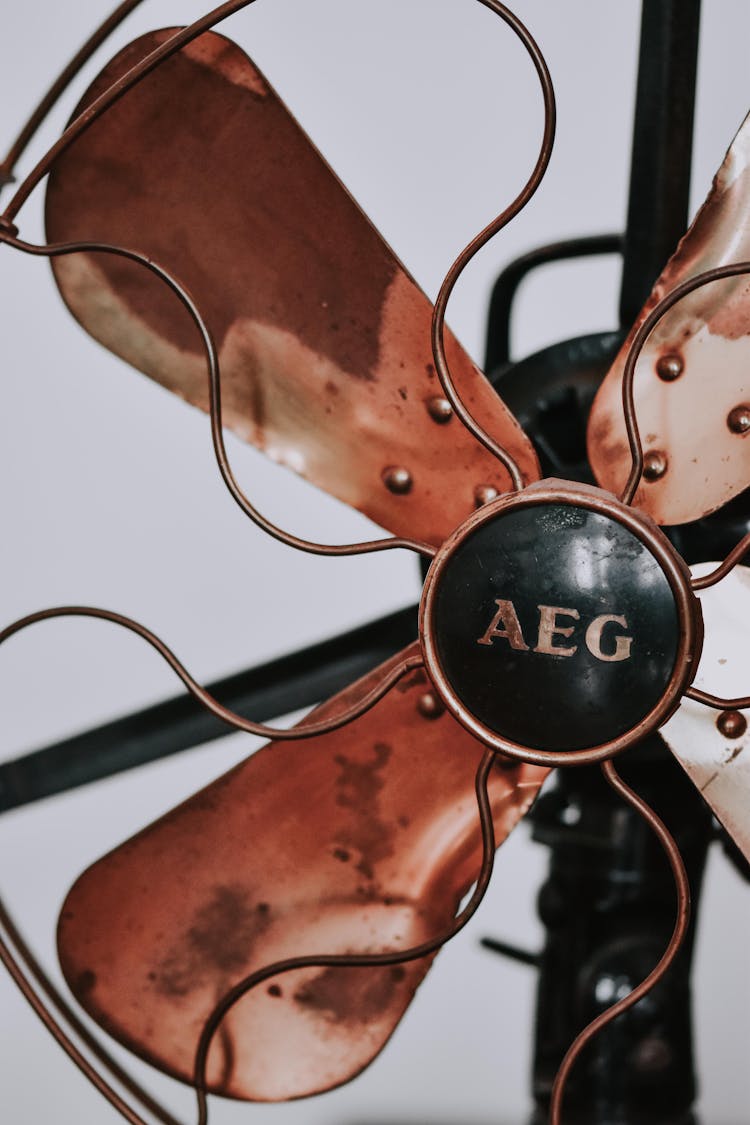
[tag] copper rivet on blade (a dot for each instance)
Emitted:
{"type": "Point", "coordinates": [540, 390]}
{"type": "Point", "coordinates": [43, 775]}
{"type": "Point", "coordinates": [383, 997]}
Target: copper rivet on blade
{"type": "Point", "coordinates": [397, 479]}
{"type": "Point", "coordinates": [732, 724]}
{"type": "Point", "coordinates": [483, 493]}
{"type": "Point", "coordinates": [439, 409]}
{"type": "Point", "coordinates": [738, 419]}
{"type": "Point", "coordinates": [429, 706]}
{"type": "Point", "coordinates": [669, 367]}
{"type": "Point", "coordinates": [654, 464]}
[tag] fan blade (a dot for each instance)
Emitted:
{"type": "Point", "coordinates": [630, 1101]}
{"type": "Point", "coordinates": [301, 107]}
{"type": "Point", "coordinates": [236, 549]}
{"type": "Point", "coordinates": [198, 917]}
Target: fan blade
{"type": "Point", "coordinates": [692, 372]}
{"type": "Point", "coordinates": [360, 840]}
{"type": "Point", "coordinates": [324, 338]}
{"type": "Point", "coordinates": [719, 765]}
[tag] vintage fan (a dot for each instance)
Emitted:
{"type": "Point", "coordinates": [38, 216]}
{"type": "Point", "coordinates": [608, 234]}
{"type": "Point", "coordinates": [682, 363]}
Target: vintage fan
{"type": "Point", "coordinates": [279, 922]}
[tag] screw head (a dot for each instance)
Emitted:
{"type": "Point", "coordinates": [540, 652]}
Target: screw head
{"type": "Point", "coordinates": [732, 724]}
{"type": "Point", "coordinates": [483, 493]}
{"type": "Point", "coordinates": [429, 706]}
{"type": "Point", "coordinates": [439, 409]}
{"type": "Point", "coordinates": [670, 366]}
{"type": "Point", "coordinates": [738, 419]}
{"type": "Point", "coordinates": [397, 480]}
{"type": "Point", "coordinates": [654, 464]}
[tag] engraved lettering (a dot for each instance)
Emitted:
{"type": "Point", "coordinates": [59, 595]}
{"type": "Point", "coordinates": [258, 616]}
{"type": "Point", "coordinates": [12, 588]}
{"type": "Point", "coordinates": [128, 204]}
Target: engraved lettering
{"type": "Point", "coordinates": [623, 644]}
{"type": "Point", "coordinates": [505, 624]}
{"type": "Point", "coordinates": [549, 629]}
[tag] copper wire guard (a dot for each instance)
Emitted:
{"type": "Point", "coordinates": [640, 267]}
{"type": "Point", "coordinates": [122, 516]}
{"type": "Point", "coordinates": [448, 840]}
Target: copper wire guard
{"type": "Point", "coordinates": [361, 960]}
{"type": "Point", "coordinates": [63, 249]}
{"type": "Point", "coordinates": [308, 730]}
{"type": "Point", "coordinates": [395, 957]}
{"type": "Point", "coordinates": [732, 560]}
{"type": "Point", "coordinates": [7, 232]}
{"type": "Point", "coordinates": [502, 220]}
{"type": "Point", "coordinates": [101, 104]}
{"type": "Point", "coordinates": [24, 970]}
{"type": "Point", "coordinates": [719, 273]}
{"type": "Point", "coordinates": [60, 85]}
{"type": "Point", "coordinates": [679, 933]}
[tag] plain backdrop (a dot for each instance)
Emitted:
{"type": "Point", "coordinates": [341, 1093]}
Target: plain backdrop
{"type": "Point", "coordinates": [430, 112]}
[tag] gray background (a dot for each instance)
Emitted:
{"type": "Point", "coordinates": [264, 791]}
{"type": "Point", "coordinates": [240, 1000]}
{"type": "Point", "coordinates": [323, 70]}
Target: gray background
{"type": "Point", "coordinates": [111, 495]}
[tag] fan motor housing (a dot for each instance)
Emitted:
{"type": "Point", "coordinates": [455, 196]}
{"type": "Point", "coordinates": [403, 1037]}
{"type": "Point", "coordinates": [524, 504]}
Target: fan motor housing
{"type": "Point", "coordinates": [559, 624]}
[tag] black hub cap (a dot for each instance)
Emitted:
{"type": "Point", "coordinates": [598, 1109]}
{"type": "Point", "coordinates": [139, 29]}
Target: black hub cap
{"type": "Point", "coordinates": [553, 625]}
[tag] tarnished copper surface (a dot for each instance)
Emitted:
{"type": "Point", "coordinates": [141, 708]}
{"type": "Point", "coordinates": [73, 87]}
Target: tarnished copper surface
{"type": "Point", "coordinates": [324, 338]}
{"type": "Point", "coordinates": [358, 841]}
{"type": "Point", "coordinates": [717, 759]}
{"type": "Point", "coordinates": [693, 371]}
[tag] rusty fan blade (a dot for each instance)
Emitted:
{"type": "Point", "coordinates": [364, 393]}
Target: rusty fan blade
{"type": "Point", "coordinates": [324, 338]}
{"type": "Point", "coordinates": [360, 840]}
{"type": "Point", "coordinates": [712, 746]}
{"type": "Point", "coordinates": [692, 392]}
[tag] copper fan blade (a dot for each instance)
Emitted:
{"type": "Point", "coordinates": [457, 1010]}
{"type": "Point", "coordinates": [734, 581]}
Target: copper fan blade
{"type": "Point", "coordinates": [712, 748]}
{"type": "Point", "coordinates": [356, 841]}
{"type": "Point", "coordinates": [324, 338]}
{"type": "Point", "coordinates": [693, 371]}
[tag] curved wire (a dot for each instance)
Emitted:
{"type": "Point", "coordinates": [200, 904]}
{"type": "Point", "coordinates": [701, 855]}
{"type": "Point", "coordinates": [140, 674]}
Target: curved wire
{"type": "Point", "coordinates": [22, 969]}
{"type": "Point", "coordinates": [71, 1050]}
{"type": "Point", "coordinates": [357, 960]}
{"type": "Point", "coordinates": [463, 259]}
{"type": "Point", "coordinates": [181, 38]}
{"type": "Point", "coordinates": [682, 922]}
{"type": "Point", "coordinates": [58, 87]}
{"type": "Point", "coordinates": [719, 273]}
{"type": "Point", "coordinates": [306, 730]}
{"type": "Point", "coordinates": [715, 701]}
{"type": "Point", "coordinates": [114, 93]}
{"type": "Point", "coordinates": [734, 557]}
{"type": "Point", "coordinates": [62, 249]}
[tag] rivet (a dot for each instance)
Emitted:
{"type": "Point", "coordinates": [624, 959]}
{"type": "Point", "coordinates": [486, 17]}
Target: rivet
{"type": "Point", "coordinates": [439, 409]}
{"type": "Point", "coordinates": [483, 493]}
{"type": "Point", "coordinates": [654, 464]}
{"type": "Point", "coordinates": [738, 419]}
{"type": "Point", "coordinates": [397, 479]}
{"type": "Point", "coordinates": [429, 706]}
{"type": "Point", "coordinates": [669, 367]}
{"type": "Point", "coordinates": [732, 724]}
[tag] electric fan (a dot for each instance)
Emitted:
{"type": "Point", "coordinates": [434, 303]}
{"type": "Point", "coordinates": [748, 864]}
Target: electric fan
{"type": "Point", "coordinates": [263, 940]}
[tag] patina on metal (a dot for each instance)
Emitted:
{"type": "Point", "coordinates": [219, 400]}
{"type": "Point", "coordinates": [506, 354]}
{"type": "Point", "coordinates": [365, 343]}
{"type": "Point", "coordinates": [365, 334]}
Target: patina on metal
{"type": "Point", "coordinates": [323, 338]}
{"type": "Point", "coordinates": [692, 370]}
{"type": "Point", "coordinates": [153, 935]}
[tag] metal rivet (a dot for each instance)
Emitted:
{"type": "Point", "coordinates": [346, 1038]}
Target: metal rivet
{"type": "Point", "coordinates": [669, 367]}
{"type": "Point", "coordinates": [429, 706]}
{"type": "Point", "coordinates": [397, 479]}
{"type": "Point", "coordinates": [738, 419]}
{"type": "Point", "coordinates": [483, 493]}
{"type": "Point", "coordinates": [654, 464]}
{"type": "Point", "coordinates": [732, 724]}
{"type": "Point", "coordinates": [439, 409]}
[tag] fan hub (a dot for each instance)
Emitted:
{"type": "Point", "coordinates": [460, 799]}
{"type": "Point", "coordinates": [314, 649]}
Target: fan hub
{"type": "Point", "coordinates": [559, 623]}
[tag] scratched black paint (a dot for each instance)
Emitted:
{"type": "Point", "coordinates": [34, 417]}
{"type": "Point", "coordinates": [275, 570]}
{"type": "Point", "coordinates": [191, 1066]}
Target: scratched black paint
{"type": "Point", "coordinates": [563, 556]}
